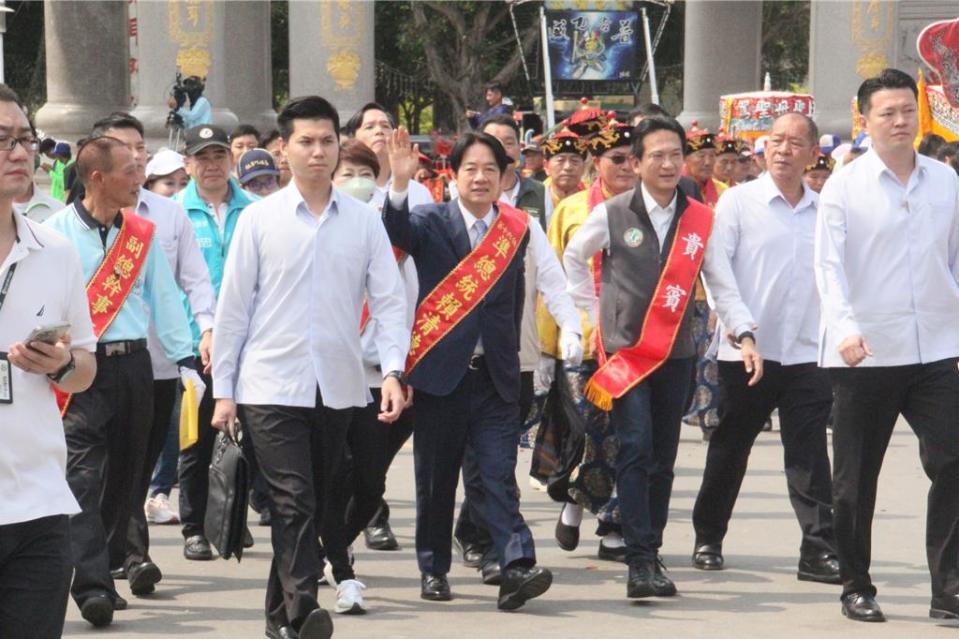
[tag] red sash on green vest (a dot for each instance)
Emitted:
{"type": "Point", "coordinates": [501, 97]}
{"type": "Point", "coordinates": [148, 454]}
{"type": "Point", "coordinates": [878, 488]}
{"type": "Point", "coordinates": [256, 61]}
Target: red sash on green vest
{"type": "Point", "coordinates": [113, 280]}
{"type": "Point", "coordinates": [365, 312]}
{"type": "Point", "coordinates": [467, 284]}
{"type": "Point", "coordinates": [630, 366]}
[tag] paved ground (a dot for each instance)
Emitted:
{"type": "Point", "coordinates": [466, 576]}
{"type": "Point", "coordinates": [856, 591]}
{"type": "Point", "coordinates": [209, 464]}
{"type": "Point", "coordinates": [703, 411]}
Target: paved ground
{"type": "Point", "coordinates": [757, 596]}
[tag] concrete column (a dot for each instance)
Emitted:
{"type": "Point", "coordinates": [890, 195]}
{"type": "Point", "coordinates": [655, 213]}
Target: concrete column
{"type": "Point", "coordinates": [86, 65]}
{"type": "Point", "coordinates": [721, 54]}
{"type": "Point", "coordinates": [848, 42]}
{"type": "Point", "coordinates": [248, 59]}
{"type": "Point", "coordinates": [186, 36]}
{"type": "Point", "coordinates": [331, 52]}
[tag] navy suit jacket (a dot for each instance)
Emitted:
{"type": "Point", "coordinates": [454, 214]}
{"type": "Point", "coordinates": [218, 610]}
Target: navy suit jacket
{"type": "Point", "coordinates": [435, 236]}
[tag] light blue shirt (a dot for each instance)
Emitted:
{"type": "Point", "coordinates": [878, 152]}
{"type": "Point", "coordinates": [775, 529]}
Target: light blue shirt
{"type": "Point", "coordinates": [200, 113]}
{"type": "Point", "coordinates": [154, 296]}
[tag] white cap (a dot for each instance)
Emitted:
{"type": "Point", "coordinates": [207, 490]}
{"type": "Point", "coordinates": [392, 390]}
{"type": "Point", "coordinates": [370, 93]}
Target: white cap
{"type": "Point", "coordinates": [760, 147]}
{"type": "Point", "coordinates": [164, 162]}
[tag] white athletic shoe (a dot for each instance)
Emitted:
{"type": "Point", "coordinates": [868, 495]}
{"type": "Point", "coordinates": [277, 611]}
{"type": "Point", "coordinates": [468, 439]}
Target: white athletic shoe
{"type": "Point", "coordinates": [159, 511]}
{"type": "Point", "coordinates": [349, 598]}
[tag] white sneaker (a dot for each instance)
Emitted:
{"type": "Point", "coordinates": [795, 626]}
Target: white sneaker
{"type": "Point", "coordinates": [159, 511]}
{"type": "Point", "coordinates": [349, 598]}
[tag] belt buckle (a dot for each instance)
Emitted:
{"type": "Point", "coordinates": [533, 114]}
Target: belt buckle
{"type": "Point", "coordinates": [113, 348]}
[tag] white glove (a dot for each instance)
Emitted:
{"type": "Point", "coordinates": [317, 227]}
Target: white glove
{"type": "Point", "coordinates": [187, 373]}
{"type": "Point", "coordinates": [571, 347]}
{"type": "Point", "coordinates": [543, 375]}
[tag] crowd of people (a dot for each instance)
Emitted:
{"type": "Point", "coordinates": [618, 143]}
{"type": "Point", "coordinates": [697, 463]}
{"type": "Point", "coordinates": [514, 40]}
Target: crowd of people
{"type": "Point", "coordinates": [329, 292]}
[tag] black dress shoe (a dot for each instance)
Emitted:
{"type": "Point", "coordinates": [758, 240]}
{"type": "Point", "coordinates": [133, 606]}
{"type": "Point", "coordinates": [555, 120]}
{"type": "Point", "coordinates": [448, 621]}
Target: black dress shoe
{"type": "Point", "coordinates": [473, 554]}
{"type": "Point", "coordinates": [708, 557]}
{"type": "Point", "coordinates": [861, 606]}
{"type": "Point", "coordinates": [197, 548]}
{"type": "Point", "coordinates": [317, 625]}
{"type": "Point", "coordinates": [98, 610]}
{"type": "Point", "coordinates": [944, 607]}
{"type": "Point", "coordinates": [265, 517]}
{"type": "Point", "coordinates": [520, 584]}
{"type": "Point", "coordinates": [143, 578]}
{"type": "Point", "coordinates": [378, 533]}
{"type": "Point", "coordinates": [118, 573]}
{"type": "Point", "coordinates": [611, 554]}
{"type": "Point", "coordinates": [663, 586]}
{"type": "Point", "coordinates": [566, 536]}
{"type": "Point", "coordinates": [283, 632]}
{"type": "Point", "coordinates": [823, 568]}
{"type": "Point", "coordinates": [247, 538]}
{"type": "Point", "coordinates": [640, 582]}
{"type": "Point", "coordinates": [119, 603]}
{"type": "Point", "coordinates": [492, 574]}
{"type": "Point", "coordinates": [435, 588]}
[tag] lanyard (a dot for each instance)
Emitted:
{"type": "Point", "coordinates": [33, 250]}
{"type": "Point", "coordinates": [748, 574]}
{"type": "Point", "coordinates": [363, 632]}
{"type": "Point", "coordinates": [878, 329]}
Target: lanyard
{"type": "Point", "coordinates": [6, 283]}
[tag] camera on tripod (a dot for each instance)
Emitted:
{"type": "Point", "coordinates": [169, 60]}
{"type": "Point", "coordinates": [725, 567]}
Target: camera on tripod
{"type": "Point", "coordinates": [189, 88]}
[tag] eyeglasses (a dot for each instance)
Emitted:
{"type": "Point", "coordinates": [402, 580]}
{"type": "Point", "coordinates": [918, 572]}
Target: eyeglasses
{"type": "Point", "coordinates": [617, 159]}
{"type": "Point", "coordinates": [28, 142]}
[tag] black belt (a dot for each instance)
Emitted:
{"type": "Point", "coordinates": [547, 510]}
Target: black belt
{"type": "Point", "coordinates": [125, 347]}
{"type": "Point", "coordinates": [477, 362]}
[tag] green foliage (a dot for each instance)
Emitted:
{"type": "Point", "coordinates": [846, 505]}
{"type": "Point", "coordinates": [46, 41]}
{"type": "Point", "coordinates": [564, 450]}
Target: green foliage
{"type": "Point", "coordinates": [785, 43]}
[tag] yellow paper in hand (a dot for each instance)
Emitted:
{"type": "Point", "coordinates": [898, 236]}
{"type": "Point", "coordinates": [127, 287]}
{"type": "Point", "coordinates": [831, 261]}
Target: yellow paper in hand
{"type": "Point", "coordinates": [189, 416]}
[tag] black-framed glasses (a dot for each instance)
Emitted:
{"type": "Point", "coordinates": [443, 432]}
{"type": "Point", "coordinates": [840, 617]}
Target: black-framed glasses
{"type": "Point", "coordinates": [28, 142]}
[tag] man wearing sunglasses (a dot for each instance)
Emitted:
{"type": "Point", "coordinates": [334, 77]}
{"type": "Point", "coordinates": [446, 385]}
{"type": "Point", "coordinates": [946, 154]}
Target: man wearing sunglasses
{"type": "Point", "coordinates": [257, 172]}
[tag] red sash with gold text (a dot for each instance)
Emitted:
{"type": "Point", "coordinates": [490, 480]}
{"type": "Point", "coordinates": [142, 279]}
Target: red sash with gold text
{"type": "Point", "coordinates": [630, 366]}
{"type": "Point", "coordinates": [113, 280]}
{"type": "Point", "coordinates": [467, 284]}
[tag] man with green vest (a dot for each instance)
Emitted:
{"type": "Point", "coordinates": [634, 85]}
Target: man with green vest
{"type": "Point", "coordinates": [213, 202]}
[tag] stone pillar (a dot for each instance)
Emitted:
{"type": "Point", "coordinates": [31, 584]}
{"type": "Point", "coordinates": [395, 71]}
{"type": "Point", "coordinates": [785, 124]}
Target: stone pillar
{"type": "Point", "coordinates": [848, 42]}
{"type": "Point", "coordinates": [331, 52]}
{"type": "Point", "coordinates": [86, 67]}
{"type": "Point", "coordinates": [721, 54]}
{"type": "Point", "coordinates": [249, 63]}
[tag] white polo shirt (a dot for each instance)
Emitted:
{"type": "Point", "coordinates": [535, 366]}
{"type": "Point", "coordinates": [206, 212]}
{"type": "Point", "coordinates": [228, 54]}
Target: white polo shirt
{"type": "Point", "coordinates": [47, 287]}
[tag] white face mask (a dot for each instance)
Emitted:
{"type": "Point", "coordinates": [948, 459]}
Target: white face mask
{"type": "Point", "coordinates": [360, 187]}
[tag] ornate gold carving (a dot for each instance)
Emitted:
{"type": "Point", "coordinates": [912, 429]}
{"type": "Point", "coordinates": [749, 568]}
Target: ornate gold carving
{"type": "Point", "coordinates": [191, 25]}
{"type": "Point", "coordinates": [872, 40]}
{"type": "Point", "coordinates": [344, 67]}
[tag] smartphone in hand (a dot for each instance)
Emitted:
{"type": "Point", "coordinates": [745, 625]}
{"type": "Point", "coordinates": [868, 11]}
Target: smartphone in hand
{"type": "Point", "coordinates": [49, 334]}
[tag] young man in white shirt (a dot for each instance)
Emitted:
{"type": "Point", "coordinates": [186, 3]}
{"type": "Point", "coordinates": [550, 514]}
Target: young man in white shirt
{"type": "Point", "coordinates": [887, 268]}
{"type": "Point", "coordinates": [286, 348]}
{"type": "Point", "coordinates": [35, 560]}
{"type": "Point", "coordinates": [767, 229]}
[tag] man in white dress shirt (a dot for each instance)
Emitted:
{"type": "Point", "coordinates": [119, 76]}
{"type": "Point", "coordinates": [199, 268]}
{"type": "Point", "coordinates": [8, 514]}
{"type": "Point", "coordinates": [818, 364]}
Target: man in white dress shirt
{"type": "Point", "coordinates": [767, 228]}
{"type": "Point", "coordinates": [287, 348]}
{"type": "Point", "coordinates": [887, 268]}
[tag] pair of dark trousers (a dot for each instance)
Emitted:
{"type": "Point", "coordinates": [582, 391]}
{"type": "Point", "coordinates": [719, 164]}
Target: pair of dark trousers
{"type": "Point", "coordinates": [470, 528]}
{"type": "Point", "coordinates": [35, 571]}
{"type": "Point", "coordinates": [298, 450]}
{"type": "Point", "coordinates": [804, 397]}
{"type": "Point", "coordinates": [132, 546]}
{"type": "Point", "coordinates": [868, 403]}
{"type": "Point", "coordinates": [194, 466]}
{"type": "Point", "coordinates": [472, 415]}
{"type": "Point", "coordinates": [359, 484]}
{"type": "Point", "coordinates": [107, 428]}
{"type": "Point", "coordinates": [647, 421]}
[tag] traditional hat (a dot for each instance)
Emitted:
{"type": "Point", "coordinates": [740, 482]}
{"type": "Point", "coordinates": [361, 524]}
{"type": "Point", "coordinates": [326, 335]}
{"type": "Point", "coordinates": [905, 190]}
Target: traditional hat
{"type": "Point", "coordinates": [823, 162]}
{"type": "Point", "coordinates": [698, 139]}
{"type": "Point", "coordinates": [586, 121]}
{"type": "Point", "coordinates": [611, 136]}
{"type": "Point", "coordinates": [727, 144]}
{"type": "Point", "coordinates": [564, 141]}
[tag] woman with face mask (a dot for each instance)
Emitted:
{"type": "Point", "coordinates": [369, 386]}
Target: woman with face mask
{"type": "Point", "coordinates": [357, 170]}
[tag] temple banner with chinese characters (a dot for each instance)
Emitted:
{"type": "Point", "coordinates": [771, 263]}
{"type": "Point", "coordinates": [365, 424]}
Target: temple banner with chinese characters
{"type": "Point", "coordinates": [467, 284]}
{"type": "Point", "coordinates": [751, 115]}
{"type": "Point", "coordinates": [113, 281]}
{"type": "Point", "coordinates": [628, 367]}
{"type": "Point", "coordinates": [592, 45]}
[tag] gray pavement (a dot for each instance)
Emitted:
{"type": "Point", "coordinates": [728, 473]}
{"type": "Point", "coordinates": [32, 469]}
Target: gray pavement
{"type": "Point", "coordinates": [756, 596]}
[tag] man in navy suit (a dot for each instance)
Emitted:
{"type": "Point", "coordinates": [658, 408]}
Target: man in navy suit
{"type": "Point", "coordinates": [467, 385]}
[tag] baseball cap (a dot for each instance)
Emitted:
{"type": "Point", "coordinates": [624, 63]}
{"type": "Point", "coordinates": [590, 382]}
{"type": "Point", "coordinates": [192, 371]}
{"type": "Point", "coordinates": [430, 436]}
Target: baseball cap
{"type": "Point", "coordinates": [532, 147]}
{"type": "Point", "coordinates": [254, 163]}
{"type": "Point", "coordinates": [760, 147]}
{"type": "Point", "coordinates": [202, 136]}
{"type": "Point", "coordinates": [164, 162]}
{"type": "Point", "coordinates": [62, 148]}
{"type": "Point", "coordinates": [828, 142]}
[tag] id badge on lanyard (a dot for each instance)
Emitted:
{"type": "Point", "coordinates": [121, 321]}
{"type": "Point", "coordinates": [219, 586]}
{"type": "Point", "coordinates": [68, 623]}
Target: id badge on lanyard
{"type": "Point", "coordinates": [6, 371]}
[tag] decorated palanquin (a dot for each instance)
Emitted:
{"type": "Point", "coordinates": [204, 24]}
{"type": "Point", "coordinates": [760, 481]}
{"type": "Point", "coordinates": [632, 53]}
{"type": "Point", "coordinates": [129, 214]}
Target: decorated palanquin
{"type": "Point", "coordinates": [750, 115]}
{"type": "Point", "coordinates": [938, 46]}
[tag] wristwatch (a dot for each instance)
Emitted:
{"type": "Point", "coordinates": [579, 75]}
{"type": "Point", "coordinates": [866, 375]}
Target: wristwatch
{"type": "Point", "coordinates": [744, 335]}
{"type": "Point", "coordinates": [64, 372]}
{"type": "Point", "coordinates": [399, 375]}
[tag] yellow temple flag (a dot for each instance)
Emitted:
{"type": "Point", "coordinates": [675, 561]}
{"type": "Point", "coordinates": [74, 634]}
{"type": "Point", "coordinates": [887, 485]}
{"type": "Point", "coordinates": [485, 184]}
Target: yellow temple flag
{"type": "Point", "coordinates": [189, 416]}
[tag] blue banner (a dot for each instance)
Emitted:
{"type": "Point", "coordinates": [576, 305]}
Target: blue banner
{"type": "Point", "coordinates": [592, 45]}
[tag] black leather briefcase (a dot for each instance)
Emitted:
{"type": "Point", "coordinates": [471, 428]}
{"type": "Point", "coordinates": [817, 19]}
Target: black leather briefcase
{"type": "Point", "coordinates": [227, 501]}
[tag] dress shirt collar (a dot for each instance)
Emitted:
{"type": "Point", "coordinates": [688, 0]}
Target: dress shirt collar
{"type": "Point", "coordinates": [469, 219]}
{"type": "Point", "coordinates": [772, 192]}
{"type": "Point", "coordinates": [878, 167]}
{"type": "Point", "coordinates": [298, 203]}
{"type": "Point", "coordinates": [651, 204]}
{"type": "Point", "coordinates": [91, 222]}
